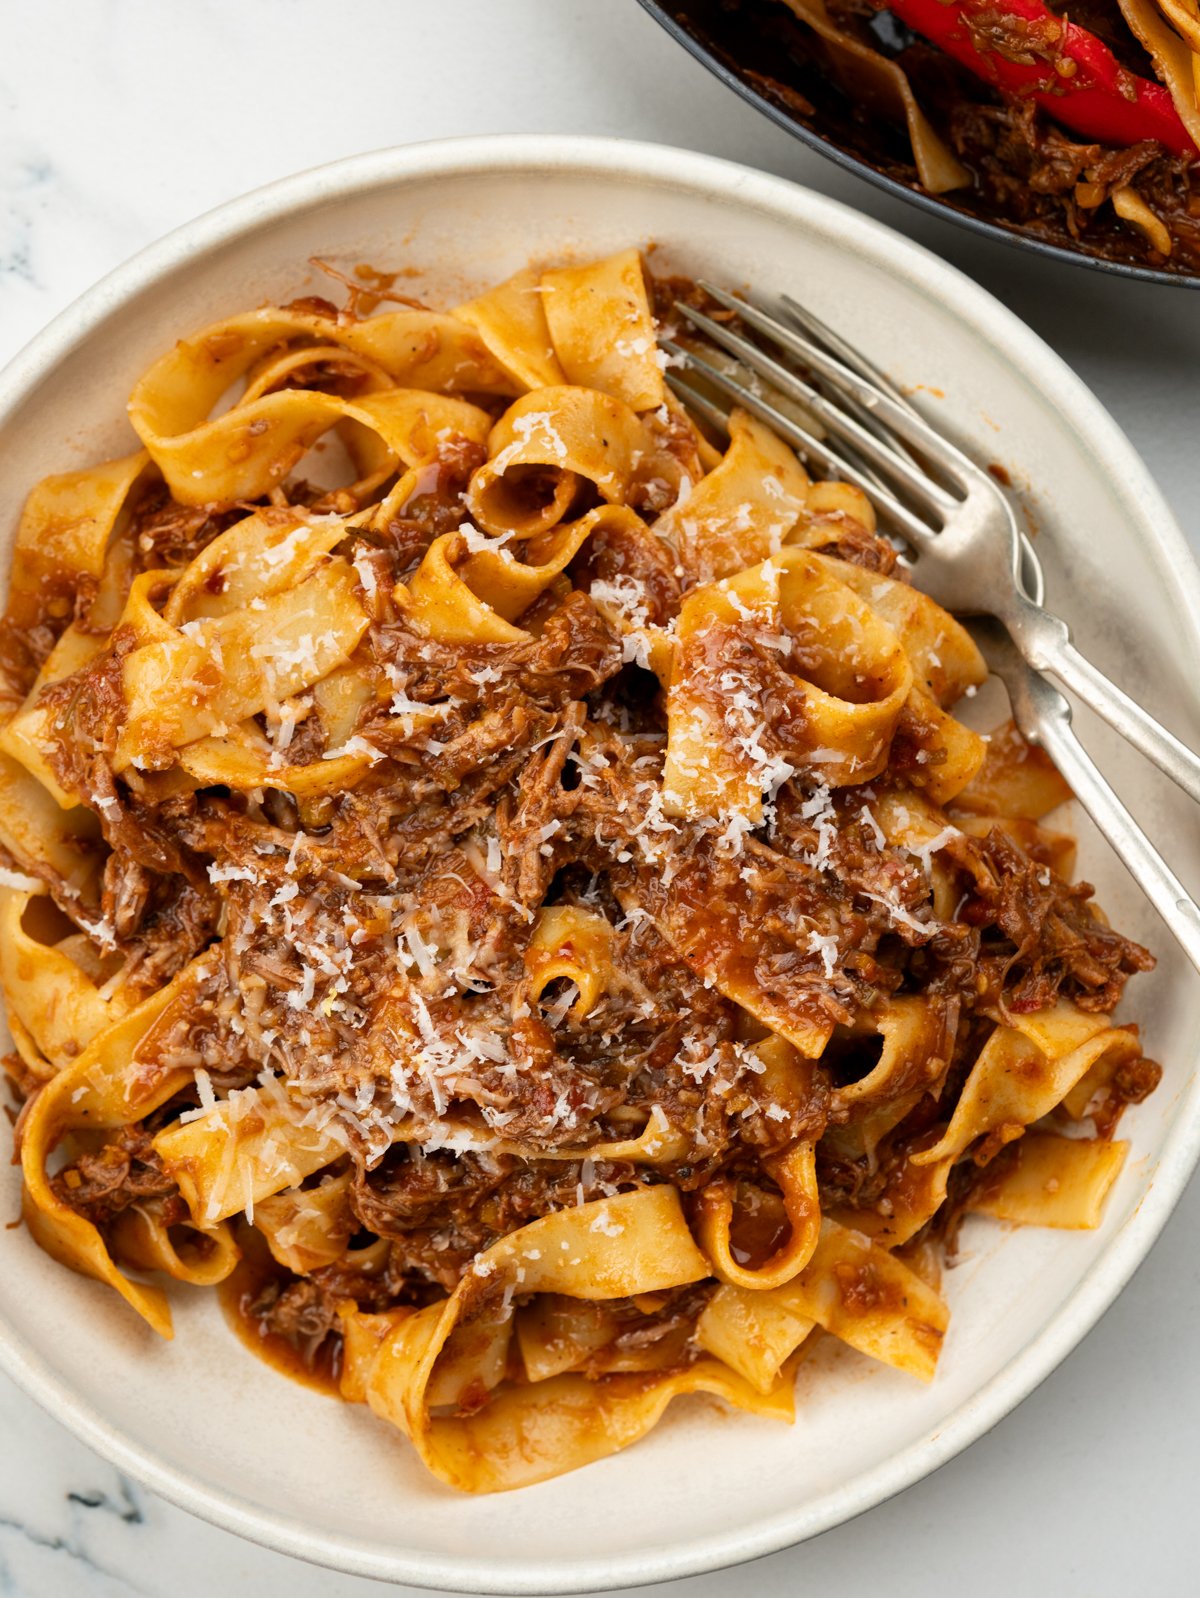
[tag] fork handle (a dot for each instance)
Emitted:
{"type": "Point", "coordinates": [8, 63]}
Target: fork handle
{"type": "Point", "coordinates": [1051, 724]}
{"type": "Point", "coordinates": [1045, 641]}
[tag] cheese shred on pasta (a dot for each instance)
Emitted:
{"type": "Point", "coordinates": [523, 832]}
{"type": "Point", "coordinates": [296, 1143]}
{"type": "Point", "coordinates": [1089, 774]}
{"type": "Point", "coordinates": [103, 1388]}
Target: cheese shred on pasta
{"type": "Point", "coordinates": [492, 878]}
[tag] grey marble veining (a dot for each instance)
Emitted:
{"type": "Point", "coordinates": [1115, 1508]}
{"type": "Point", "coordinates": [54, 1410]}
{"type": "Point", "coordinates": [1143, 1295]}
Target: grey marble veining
{"type": "Point", "coordinates": [120, 119]}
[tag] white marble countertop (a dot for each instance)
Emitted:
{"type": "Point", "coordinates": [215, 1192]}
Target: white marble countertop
{"type": "Point", "coordinates": [121, 119]}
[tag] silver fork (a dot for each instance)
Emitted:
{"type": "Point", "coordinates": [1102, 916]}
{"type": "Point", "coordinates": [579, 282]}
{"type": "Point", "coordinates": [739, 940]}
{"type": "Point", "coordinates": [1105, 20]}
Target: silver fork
{"type": "Point", "coordinates": [971, 554]}
{"type": "Point", "coordinates": [1039, 709]}
{"type": "Point", "coordinates": [1044, 717]}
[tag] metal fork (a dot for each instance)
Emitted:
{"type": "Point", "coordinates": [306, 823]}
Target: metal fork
{"type": "Point", "coordinates": [971, 554]}
{"type": "Point", "coordinates": [1039, 709]}
{"type": "Point", "coordinates": [1044, 717]}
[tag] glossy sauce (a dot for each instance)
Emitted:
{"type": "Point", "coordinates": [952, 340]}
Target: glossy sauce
{"type": "Point", "coordinates": [256, 1269]}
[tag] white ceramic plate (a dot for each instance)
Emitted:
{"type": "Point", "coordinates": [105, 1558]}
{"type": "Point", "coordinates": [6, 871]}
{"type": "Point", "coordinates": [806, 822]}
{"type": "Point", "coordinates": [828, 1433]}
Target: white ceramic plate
{"type": "Point", "coordinates": [205, 1424]}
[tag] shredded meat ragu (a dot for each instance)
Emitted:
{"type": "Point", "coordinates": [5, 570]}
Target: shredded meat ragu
{"type": "Point", "coordinates": [124, 1171]}
{"type": "Point", "coordinates": [510, 737]}
{"type": "Point", "coordinates": [374, 945]}
{"type": "Point", "coordinates": [1052, 937]}
{"type": "Point", "coordinates": [166, 534]}
{"type": "Point", "coordinates": [1024, 170]}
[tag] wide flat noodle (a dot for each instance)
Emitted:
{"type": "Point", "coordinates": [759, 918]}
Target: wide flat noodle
{"type": "Point", "coordinates": [634, 1243]}
{"type": "Point", "coordinates": [30, 736]}
{"type": "Point", "coordinates": [1170, 34]}
{"type": "Point", "coordinates": [1047, 1180]}
{"type": "Point", "coordinates": [252, 1144]}
{"type": "Point", "coordinates": [249, 449]}
{"type": "Point", "coordinates": [566, 432]}
{"type": "Point", "coordinates": [265, 554]}
{"type": "Point", "coordinates": [511, 321]}
{"type": "Point", "coordinates": [1016, 779]}
{"type": "Point", "coordinates": [946, 664]}
{"type": "Point", "coordinates": [753, 1332]}
{"type": "Point", "coordinates": [556, 1334]}
{"type": "Point", "coordinates": [509, 581]}
{"type": "Point", "coordinates": [603, 330]}
{"type": "Point", "coordinates": [42, 837]}
{"type": "Point", "coordinates": [873, 77]}
{"type": "Point", "coordinates": [246, 762]}
{"type": "Point", "coordinates": [194, 684]}
{"type": "Point", "coordinates": [307, 1227]}
{"type": "Point", "coordinates": [658, 1143]}
{"type": "Point", "coordinates": [852, 1289]}
{"type": "Point", "coordinates": [915, 1051]}
{"type": "Point", "coordinates": [742, 511]}
{"type": "Point", "coordinates": [851, 680]}
{"type": "Point", "coordinates": [47, 990]}
{"type": "Point", "coordinates": [63, 536]}
{"type": "Point", "coordinates": [912, 1197]}
{"type": "Point", "coordinates": [796, 1174]}
{"type": "Point", "coordinates": [140, 1238]}
{"type": "Point", "coordinates": [573, 945]}
{"type": "Point", "coordinates": [1131, 208]}
{"type": "Point", "coordinates": [556, 836]}
{"type": "Point", "coordinates": [117, 1079]}
{"type": "Point", "coordinates": [477, 592]}
{"type": "Point", "coordinates": [1024, 1071]}
{"type": "Point", "coordinates": [441, 603]}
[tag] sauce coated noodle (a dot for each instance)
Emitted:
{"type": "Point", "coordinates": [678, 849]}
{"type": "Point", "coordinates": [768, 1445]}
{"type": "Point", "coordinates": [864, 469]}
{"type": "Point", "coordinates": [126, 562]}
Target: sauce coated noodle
{"type": "Point", "coordinates": [526, 922]}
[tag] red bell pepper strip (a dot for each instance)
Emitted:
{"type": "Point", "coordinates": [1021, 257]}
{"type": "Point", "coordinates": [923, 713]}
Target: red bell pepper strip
{"type": "Point", "coordinates": [1071, 74]}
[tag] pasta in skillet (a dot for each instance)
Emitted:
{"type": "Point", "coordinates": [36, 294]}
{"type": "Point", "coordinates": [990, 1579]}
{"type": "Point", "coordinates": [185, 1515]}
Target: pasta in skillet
{"type": "Point", "coordinates": [525, 924]}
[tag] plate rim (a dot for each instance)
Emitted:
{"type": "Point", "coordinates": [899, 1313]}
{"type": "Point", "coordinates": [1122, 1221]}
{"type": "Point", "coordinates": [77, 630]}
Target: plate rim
{"type": "Point", "coordinates": [1114, 457]}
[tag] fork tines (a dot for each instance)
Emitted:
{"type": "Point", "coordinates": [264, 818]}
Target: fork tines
{"type": "Point", "coordinates": [872, 431]}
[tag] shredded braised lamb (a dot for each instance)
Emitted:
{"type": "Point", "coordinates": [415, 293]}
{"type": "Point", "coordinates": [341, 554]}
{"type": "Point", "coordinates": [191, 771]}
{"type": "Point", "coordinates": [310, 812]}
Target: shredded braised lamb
{"type": "Point", "coordinates": [538, 785]}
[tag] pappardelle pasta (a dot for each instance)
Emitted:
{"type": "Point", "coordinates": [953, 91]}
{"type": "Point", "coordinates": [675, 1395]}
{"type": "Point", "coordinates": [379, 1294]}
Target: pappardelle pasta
{"type": "Point", "coordinates": [523, 922]}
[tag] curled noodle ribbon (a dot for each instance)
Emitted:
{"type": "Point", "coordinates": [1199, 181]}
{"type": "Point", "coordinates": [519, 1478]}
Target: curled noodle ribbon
{"type": "Point", "coordinates": [457, 1351]}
